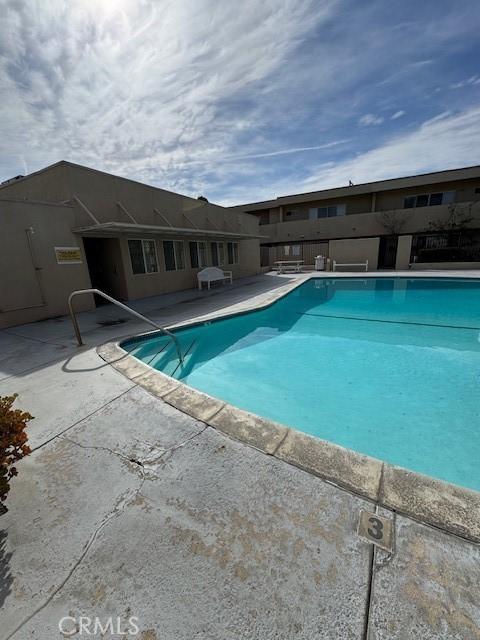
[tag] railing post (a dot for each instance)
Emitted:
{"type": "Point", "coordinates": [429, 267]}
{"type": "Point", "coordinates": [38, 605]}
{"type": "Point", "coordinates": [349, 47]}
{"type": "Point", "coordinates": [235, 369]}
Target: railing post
{"type": "Point", "coordinates": [74, 320]}
{"type": "Point", "coordinates": [172, 336]}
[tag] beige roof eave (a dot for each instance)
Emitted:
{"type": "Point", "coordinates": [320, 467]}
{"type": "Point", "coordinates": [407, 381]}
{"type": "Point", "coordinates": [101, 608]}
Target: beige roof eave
{"type": "Point", "coordinates": [122, 228]}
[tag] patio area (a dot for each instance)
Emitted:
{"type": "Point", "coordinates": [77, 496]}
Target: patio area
{"type": "Point", "coordinates": [128, 507]}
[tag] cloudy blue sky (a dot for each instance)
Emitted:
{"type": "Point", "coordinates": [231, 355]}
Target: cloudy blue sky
{"type": "Point", "coordinates": [240, 101]}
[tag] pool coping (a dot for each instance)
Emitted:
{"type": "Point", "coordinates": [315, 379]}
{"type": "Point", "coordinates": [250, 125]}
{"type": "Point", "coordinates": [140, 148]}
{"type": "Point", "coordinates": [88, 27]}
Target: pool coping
{"type": "Point", "coordinates": [446, 506]}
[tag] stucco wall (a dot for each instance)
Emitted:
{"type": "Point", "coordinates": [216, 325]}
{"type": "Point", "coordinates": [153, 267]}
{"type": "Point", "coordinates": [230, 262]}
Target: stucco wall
{"type": "Point", "coordinates": [404, 249]}
{"type": "Point", "coordinates": [32, 285]}
{"type": "Point", "coordinates": [150, 284]}
{"type": "Point", "coordinates": [358, 204]}
{"type": "Point", "coordinates": [366, 224]}
{"type": "Point", "coordinates": [394, 199]}
{"type": "Point", "coordinates": [355, 250]}
{"type": "Point", "coordinates": [425, 266]}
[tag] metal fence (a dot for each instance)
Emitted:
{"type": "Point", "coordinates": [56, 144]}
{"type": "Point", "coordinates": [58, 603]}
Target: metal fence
{"type": "Point", "coordinates": [456, 246]}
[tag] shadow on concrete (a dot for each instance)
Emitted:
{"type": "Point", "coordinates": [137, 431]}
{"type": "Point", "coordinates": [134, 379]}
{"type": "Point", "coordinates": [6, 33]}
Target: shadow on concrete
{"type": "Point", "coordinates": [6, 579]}
{"type": "Point", "coordinates": [66, 368]}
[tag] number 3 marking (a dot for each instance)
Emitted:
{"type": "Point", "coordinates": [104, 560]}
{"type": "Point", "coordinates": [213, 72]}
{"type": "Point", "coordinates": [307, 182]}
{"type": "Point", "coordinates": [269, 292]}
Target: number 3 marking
{"type": "Point", "coordinates": [376, 531]}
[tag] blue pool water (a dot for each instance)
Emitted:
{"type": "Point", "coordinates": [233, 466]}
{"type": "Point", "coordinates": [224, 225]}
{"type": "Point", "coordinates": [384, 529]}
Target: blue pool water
{"type": "Point", "coordinates": [389, 367]}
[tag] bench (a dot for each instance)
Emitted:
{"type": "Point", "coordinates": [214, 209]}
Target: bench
{"type": "Point", "coordinates": [349, 264]}
{"type": "Point", "coordinates": [213, 274]}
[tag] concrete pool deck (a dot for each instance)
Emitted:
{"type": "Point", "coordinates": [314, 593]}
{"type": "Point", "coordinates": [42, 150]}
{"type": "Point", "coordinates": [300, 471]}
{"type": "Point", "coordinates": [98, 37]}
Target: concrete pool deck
{"type": "Point", "coordinates": [129, 507]}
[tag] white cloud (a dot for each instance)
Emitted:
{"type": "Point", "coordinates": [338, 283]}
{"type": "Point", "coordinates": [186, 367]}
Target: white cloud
{"type": "Point", "coordinates": [397, 114]}
{"type": "Point", "coordinates": [441, 116]}
{"type": "Point", "coordinates": [472, 80]}
{"type": "Point", "coordinates": [440, 143]}
{"type": "Point", "coordinates": [370, 119]}
{"type": "Point", "coordinates": [421, 63]}
{"type": "Point", "coordinates": [268, 154]}
{"type": "Point", "coordinates": [199, 97]}
{"type": "Point", "coordinates": [137, 87]}
{"type": "Point", "coordinates": [437, 144]}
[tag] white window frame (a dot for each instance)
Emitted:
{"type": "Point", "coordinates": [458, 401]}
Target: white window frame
{"type": "Point", "coordinates": [176, 244]}
{"type": "Point", "coordinates": [450, 199]}
{"type": "Point", "coordinates": [220, 250]}
{"type": "Point", "coordinates": [175, 255]}
{"type": "Point", "coordinates": [199, 255]}
{"type": "Point", "coordinates": [340, 210]}
{"type": "Point", "coordinates": [235, 253]}
{"type": "Point", "coordinates": [142, 240]}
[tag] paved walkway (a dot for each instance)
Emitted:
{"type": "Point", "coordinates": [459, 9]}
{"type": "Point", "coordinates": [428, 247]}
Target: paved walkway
{"type": "Point", "coordinates": [127, 507]}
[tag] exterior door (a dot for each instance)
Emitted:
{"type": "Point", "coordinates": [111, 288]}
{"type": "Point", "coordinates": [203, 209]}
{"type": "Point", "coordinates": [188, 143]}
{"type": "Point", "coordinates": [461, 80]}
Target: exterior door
{"type": "Point", "coordinates": [387, 253]}
{"type": "Point", "coordinates": [105, 267]}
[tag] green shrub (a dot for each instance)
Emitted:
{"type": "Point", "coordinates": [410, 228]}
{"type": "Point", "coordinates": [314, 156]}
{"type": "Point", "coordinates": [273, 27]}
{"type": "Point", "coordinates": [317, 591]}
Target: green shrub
{"type": "Point", "coordinates": [13, 442]}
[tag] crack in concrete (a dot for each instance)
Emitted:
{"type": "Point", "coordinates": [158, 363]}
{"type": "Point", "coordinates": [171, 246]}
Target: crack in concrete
{"type": "Point", "coordinates": [380, 485]}
{"type": "Point", "coordinates": [370, 587]}
{"type": "Point", "coordinates": [160, 458]}
{"type": "Point", "coordinates": [216, 412]}
{"type": "Point", "coordinates": [57, 435]}
{"type": "Point", "coordinates": [102, 448]}
{"type": "Point", "coordinates": [375, 564]}
{"type": "Point", "coordinates": [121, 504]}
{"type": "Point", "coordinates": [274, 452]}
{"type": "Point", "coordinates": [142, 463]}
{"type": "Point", "coordinates": [388, 557]}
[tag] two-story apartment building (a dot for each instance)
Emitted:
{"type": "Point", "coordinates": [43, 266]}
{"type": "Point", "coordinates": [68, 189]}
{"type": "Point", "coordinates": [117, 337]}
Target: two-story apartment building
{"type": "Point", "coordinates": [419, 221]}
{"type": "Point", "coordinates": [70, 227]}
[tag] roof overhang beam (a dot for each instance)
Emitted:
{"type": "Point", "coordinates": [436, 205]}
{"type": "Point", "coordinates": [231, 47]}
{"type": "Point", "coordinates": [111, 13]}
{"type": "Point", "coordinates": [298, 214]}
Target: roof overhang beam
{"type": "Point", "coordinates": [114, 229]}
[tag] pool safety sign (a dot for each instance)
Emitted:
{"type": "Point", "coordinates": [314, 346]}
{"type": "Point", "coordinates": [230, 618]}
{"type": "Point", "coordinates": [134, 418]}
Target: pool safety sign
{"type": "Point", "coordinates": [68, 255]}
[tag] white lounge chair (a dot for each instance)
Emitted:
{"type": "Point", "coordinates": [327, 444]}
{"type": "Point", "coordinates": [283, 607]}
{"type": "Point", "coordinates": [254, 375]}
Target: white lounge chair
{"type": "Point", "coordinates": [213, 274]}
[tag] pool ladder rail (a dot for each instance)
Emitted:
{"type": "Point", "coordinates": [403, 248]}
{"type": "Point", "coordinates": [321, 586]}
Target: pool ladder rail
{"type": "Point", "coordinates": [168, 368]}
{"type": "Point", "coordinates": [168, 333]}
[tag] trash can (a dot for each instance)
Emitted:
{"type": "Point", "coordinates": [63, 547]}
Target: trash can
{"type": "Point", "coordinates": [320, 263]}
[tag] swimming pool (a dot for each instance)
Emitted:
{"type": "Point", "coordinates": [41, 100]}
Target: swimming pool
{"type": "Point", "coordinates": [389, 367]}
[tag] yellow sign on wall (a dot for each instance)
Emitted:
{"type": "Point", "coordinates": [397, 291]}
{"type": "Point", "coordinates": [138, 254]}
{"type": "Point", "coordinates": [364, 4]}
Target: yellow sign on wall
{"type": "Point", "coordinates": [68, 255]}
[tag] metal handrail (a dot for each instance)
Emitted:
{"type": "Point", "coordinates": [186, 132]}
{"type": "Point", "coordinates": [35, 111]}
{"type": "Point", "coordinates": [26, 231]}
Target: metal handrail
{"type": "Point", "coordinates": [122, 306]}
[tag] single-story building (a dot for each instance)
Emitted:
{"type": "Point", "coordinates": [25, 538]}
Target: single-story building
{"type": "Point", "coordinates": [69, 227]}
